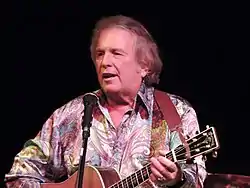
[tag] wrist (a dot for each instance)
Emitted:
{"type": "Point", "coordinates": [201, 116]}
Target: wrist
{"type": "Point", "coordinates": [180, 181]}
{"type": "Point", "coordinates": [175, 183]}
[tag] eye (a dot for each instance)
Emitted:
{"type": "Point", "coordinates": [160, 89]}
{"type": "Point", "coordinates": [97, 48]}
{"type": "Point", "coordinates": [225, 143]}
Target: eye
{"type": "Point", "coordinates": [98, 54]}
{"type": "Point", "coordinates": [117, 53]}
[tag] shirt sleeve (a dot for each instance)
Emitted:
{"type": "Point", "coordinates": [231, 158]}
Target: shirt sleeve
{"type": "Point", "coordinates": [194, 173]}
{"type": "Point", "coordinates": [36, 162]}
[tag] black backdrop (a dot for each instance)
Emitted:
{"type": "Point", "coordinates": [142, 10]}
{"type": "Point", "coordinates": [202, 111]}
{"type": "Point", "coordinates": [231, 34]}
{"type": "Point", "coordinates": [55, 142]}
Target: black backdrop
{"type": "Point", "coordinates": [203, 47]}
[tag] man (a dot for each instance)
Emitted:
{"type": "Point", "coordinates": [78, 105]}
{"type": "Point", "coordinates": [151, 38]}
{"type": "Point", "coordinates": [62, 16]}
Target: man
{"type": "Point", "coordinates": [127, 65]}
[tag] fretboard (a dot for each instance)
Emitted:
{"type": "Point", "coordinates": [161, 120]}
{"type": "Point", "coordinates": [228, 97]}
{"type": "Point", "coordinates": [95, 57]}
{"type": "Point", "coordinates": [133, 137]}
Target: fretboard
{"type": "Point", "coordinates": [135, 179]}
{"type": "Point", "coordinates": [202, 143]}
{"type": "Point", "coordinates": [138, 177]}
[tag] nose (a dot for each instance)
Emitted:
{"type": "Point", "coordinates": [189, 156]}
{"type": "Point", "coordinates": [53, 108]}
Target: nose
{"type": "Point", "coordinates": [106, 60]}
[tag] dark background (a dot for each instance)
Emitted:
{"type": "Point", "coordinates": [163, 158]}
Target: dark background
{"type": "Point", "coordinates": [204, 48]}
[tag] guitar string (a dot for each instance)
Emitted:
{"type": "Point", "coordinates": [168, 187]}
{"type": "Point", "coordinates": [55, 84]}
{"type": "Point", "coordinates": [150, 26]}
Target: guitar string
{"type": "Point", "coordinates": [133, 178]}
{"type": "Point", "coordinates": [145, 171]}
{"type": "Point", "coordinates": [125, 181]}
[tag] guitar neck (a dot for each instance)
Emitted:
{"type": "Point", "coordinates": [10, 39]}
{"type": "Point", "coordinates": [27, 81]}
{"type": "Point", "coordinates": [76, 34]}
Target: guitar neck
{"type": "Point", "coordinates": [135, 179]}
{"type": "Point", "coordinates": [138, 177]}
{"type": "Point", "coordinates": [202, 143]}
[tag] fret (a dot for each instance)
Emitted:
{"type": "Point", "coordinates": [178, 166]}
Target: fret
{"type": "Point", "coordinates": [147, 170]}
{"type": "Point", "coordinates": [127, 182]}
{"type": "Point", "coordinates": [132, 181]}
{"type": "Point", "coordinates": [116, 185]}
{"type": "Point", "coordinates": [119, 185]}
{"type": "Point", "coordinates": [136, 177]}
{"type": "Point", "coordinates": [145, 175]}
{"type": "Point", "coordinates": [123, 183]}
{"type": "Point", "coordinates": [142, 177]}
{"type": "Point", "coordinates": [173, 155]}
{"type": "Point", "coordinates": [170, 156]}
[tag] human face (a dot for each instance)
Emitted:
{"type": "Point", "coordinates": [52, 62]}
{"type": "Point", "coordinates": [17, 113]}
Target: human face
{"type": "Point", "coordinates": [115, 61]}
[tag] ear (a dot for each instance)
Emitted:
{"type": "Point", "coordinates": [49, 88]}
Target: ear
{"type": "Point", "coordinates": [144, 71]}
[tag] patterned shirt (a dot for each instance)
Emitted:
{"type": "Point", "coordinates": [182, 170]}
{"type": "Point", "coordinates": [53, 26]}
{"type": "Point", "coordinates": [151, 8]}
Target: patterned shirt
{"type": "Point", "coordinates": [55, 152]}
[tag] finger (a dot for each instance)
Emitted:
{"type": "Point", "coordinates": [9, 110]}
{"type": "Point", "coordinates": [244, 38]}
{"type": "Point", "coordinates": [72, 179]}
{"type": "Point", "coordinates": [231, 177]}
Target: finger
{"type": "Point", "coordinates": [153, 177]}
{"type": "Point", "coordinates": [163, 152]}
{"type": "Point", "coordinates": [155, 167]}
{"type": "Point", "coordinates": [158, 169]}
{"type": "Point", "coordinates": [171, 166]}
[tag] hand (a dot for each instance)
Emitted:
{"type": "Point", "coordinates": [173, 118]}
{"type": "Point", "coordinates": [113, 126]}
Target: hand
{"type": "Point", "coordinates": [164, 170]}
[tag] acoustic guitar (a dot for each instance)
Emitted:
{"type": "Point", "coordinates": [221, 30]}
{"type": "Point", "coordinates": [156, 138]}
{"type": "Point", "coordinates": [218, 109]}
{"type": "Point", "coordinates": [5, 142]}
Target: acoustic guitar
{"type": "Point", "coordinates": [99, 177]}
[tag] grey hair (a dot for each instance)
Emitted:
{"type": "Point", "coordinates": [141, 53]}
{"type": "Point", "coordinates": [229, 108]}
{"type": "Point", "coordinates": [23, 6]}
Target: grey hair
{"type": "Point", "coordinates": [147, 53]}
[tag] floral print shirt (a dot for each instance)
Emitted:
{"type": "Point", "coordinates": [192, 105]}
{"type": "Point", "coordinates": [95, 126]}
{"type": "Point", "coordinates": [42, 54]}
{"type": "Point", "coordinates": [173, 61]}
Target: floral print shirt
{"type": "Point", "coordinates": [55, 152]}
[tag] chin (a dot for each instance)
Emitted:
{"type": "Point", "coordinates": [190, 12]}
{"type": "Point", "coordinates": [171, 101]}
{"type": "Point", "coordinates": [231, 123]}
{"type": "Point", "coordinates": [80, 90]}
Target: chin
{"type": "Point", "coordinates": [111, 89]}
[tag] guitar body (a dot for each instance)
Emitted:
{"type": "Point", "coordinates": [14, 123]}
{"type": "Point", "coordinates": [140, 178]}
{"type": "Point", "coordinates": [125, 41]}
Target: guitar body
{"type": "Point", "coordinates": [99, 177]}
{"type": "Point", "coordinates": [94, 177]}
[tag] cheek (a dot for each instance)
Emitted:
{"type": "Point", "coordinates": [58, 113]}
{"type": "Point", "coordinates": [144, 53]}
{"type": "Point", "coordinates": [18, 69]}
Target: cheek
{"type": "Point", "coordinates": [97, 65]}
{"type": "Point", "coordinates": [98, 68]}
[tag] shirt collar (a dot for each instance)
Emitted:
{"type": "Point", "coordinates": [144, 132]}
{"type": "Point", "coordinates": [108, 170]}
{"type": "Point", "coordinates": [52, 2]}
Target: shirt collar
{"type": "Point", "coordinates": [145, 94]}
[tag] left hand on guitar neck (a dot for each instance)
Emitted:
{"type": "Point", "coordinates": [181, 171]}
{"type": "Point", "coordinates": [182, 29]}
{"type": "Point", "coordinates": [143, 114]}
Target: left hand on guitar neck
{"type": "Point", "coordinates": [164, 170]}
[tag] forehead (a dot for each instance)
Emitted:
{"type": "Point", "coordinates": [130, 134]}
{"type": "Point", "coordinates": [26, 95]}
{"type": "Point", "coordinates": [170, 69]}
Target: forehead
{"type": "Point", "coordinates": [116, 38]}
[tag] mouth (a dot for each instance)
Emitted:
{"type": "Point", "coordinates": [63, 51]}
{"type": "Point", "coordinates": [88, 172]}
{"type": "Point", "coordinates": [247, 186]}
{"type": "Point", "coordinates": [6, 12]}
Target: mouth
{"type": "Point", "coordinates": [108, 76]}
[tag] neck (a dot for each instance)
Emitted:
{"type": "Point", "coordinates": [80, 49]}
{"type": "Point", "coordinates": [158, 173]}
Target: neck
{"type": "Point", "coordinates": [117, 101]}
{"type": "Point", "coordinates": [121, 100]}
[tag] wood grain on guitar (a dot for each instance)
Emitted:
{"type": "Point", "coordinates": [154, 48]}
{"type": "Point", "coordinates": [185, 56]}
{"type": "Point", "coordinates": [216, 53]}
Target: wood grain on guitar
{"type": "Point", "coordinates": [97, 177]}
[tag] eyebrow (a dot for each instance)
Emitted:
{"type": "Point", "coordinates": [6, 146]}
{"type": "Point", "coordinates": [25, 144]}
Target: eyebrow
{"type": "Point", "coordinates": [111, 49]}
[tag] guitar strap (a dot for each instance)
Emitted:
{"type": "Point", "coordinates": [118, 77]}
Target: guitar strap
{"type": "Point", "coordinates": [171, 119]}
